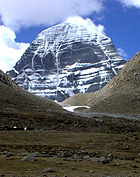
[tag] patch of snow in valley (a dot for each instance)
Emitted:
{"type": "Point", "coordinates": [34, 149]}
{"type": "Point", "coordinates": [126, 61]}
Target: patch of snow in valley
{"type": "Point", "coordinates": [72, 108]}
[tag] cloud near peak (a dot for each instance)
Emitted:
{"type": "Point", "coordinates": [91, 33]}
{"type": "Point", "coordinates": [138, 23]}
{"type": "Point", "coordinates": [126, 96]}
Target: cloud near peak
{"type": "Point", "coordinates": [25, 13]}
{"type": "Point", "coordinates": [10, 50]}
{"type": "Point", "coordinates": [17, 14]}
{"type": "Point", "coordinates": [89, 24]}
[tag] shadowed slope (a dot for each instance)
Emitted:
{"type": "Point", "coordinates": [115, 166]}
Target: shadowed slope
{"type": "Point", "coordinates": [14, 98]}
{"type": "Point", "coordinates": [121, 95]}
{"type": "Point", "coordinates": [20, 108]}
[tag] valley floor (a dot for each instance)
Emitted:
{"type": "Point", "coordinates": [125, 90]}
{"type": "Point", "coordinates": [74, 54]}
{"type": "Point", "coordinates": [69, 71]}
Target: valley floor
{"type": "Point", "coordinates": [56, 153]}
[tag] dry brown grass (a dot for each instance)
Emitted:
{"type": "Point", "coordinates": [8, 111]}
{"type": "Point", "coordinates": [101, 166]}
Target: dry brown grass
{"type": "Point", "coordinates": [45, 141]}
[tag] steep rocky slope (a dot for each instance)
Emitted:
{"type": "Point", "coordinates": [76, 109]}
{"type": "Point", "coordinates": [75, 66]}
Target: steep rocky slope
{"type": "Point", "coordinates": [121, 95]}
{"type": "Point", "coordinates": [67, 59]}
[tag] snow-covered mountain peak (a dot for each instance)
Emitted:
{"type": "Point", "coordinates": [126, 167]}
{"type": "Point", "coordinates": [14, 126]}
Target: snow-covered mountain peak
{"type": "Point", "coordinates": [71, 31]}
{"type": "Point", "coordinates": [67, 59]}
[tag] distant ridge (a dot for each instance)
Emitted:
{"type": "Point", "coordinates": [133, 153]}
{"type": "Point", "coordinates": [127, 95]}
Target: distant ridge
{"type": "Point", "coordinates": [120, 95]}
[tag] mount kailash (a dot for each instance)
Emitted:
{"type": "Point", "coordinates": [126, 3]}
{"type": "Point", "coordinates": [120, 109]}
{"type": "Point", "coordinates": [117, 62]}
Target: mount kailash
{"type": "Point", "coordinates": [67, 59]}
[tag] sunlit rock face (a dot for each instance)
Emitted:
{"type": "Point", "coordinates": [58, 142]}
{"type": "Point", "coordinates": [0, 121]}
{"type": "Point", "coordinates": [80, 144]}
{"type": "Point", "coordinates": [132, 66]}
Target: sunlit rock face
{"type": "Point", "coordinates": [67, 59]}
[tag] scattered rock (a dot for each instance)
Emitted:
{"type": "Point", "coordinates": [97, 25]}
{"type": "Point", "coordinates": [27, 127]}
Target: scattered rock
{"type": "Point", "coordinates": [22, 154]}
{"type": "Point", "coordinates": [64, 154]}
{"type": "Point", "coordinates": [110, 155]}
{"type": "Point", "coordinates": [35, 154]}
{"type": "Point", "coordinates": [44, 154]}
{"type": "Point", "coordinates": [29, 158]}
{"type": "Point", "coordinates": [91, 171]}
{"type": "Point", "coordinates": [137, 160]}
{"type": "Point", "coordinates": [104, 160]}
{"type": "Point", "coordinates": [87, 157]}
{"type": "Point", "coordinates": [48, 170]}
{"type": "Point", "coordinates": [116, 164]}
{"type": "Point", "coordinates": [67, 159]}
{"type": "Point", "coordinates": [129, 158]}
{"type": "Point", "coordinates": [134, 166]}
{"type": "Point", "coordinates": [83, 152]}
{"type": "Point", "coordinates": [77, 157]}
{"type": "Point", "coordinates": [94, 159]}
{"type": "Point", "coordinates": [3, 149]}
{"type": "Point", "coordinates": [137, 138]}
{"type": "Point", "coordinates": [6, 153]}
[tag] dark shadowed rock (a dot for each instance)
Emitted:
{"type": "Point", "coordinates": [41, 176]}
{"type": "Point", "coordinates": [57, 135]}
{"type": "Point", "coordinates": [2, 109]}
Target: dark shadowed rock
{"type": "Point", "coordinates": [64, 154]}
{"type": "Point", "coordinates": [48, 170]}
{"type": "Point", "coordinates": [6, 153]}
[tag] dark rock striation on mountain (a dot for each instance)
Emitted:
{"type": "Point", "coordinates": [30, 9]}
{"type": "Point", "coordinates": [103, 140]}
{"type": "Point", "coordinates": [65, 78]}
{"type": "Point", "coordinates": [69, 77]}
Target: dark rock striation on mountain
{"type": "Point", "coordinates": [121, 95]}
{"type": "Point", "coordinates": [67, 59]}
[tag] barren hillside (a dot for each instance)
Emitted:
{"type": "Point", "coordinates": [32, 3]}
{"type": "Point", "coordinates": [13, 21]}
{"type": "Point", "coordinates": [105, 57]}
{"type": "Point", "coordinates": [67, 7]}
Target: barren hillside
{"type": "Point", "coordinates": [121, 95]}
{"type": "Point", "coordinates": [14, 98]}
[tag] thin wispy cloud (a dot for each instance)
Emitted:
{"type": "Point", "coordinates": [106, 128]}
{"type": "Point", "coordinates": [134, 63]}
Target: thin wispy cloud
{"type": "Point", "coordinates": [131, 3]}
{"type": "Point", "coordinates": [122, 53]}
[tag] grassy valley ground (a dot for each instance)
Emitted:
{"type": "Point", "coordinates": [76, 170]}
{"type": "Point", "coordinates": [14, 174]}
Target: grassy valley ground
{"type": "Point", "coordinates": [60, 143]}
{"type": "Point", "coordinates": [93, 147]}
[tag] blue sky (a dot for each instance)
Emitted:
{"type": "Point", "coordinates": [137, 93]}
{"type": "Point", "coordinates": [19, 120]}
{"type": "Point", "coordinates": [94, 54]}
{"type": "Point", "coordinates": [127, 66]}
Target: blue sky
{"type": "Point", "coordinates": [22, 21]}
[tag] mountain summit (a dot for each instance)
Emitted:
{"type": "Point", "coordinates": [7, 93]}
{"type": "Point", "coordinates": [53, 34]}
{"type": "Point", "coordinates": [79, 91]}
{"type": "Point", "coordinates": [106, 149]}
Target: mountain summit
{"type": "Point", "coordinates": [67, 59]}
